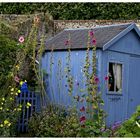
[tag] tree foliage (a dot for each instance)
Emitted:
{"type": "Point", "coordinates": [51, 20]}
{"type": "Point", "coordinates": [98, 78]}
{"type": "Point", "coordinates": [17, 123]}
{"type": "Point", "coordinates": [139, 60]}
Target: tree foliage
{"type": "Point", "coordinates": [76, 11]}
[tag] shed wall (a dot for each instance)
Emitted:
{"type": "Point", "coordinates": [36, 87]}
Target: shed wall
{"type": "Point", "coordinates": [54, 63]}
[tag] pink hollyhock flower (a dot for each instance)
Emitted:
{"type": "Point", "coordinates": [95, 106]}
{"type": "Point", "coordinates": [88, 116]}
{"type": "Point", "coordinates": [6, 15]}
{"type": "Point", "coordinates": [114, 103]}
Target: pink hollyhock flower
{"type": "Point", "coordinates": [96, 80]}
{"type": "Point", "coordinates": [21, 39]}
{"type": "Point", "coordinates": [94, 41]}
{"type": "Point", "coordinates": [16, 79]}
{"type": "Point", "coordinates": [66, 42]}
{"type": "Point", "coordinates": [106, 78]}
{"type": "Point", "coordinates": [82, 119]}
{"type": "Point", "coordinates": [91, 33]}
{"type": "Point", "coordinates": [82, 109]}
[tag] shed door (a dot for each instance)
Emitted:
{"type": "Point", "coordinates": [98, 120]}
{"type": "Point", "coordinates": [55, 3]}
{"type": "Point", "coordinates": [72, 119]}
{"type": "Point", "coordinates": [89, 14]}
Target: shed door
{"type": "Point", "coordinates": [116, 101]}
{"type": "Point", "coordinates": [134, 85]}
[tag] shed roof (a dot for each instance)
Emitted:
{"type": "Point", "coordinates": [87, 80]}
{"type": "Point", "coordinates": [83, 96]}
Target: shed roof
{"type": "Point", "coordinates": [79, 37]}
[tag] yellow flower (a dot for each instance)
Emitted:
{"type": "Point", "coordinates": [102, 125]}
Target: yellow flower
{"type": "Point", "coordinates": [28, 104]}
{"type": "Point", "coordinates": [2, 103]}
{"type": "Point", "coordinates": [17, 66]}
{"type": "Point", "coordinates": [20, 106]}
{"type": "Point", "coordinates": [21, 82]}
{"type": "Point", "coordinates": [3, 99]}
{"type": "Point", "coordinates": [12, 93]}
{"type": "Point", "coordinates": [19, 91]}
{"type": "Point", "coordinates": [1, 125]}
{"type": "Point", "coordinates": [19, 109]}
{"type": "Point", "coordinates": [25, 81]}
{"type": "Point", "coordinates": [12, 89]}
{"type": "Point", "coordinates": [1, 108]}
{"type": "Point", "coordinates": [6, 122]}
{"type": "Point", "coordinates": [7, 109]}
{"type": "Point", "coordinates": [16, 94]}
{"type": "Point", "coordinates": [11, 99]}
{"type": "Point", "coordinates": [9, 124]}
{"type": "Point", "coordinates": [15, 109]}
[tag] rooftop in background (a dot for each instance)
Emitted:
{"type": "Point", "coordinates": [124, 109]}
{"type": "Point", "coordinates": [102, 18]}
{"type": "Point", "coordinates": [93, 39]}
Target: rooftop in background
{"type": "Point", "coordinates": [79, 36]}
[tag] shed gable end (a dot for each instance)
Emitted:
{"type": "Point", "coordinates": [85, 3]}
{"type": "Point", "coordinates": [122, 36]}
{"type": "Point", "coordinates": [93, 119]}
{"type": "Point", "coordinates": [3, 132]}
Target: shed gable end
{"type": "Point", "coordinates": [129, 43]}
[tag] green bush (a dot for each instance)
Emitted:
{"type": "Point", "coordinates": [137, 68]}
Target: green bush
{"type": "Point", "coordinates": [59, 123]}
{"type": "Point", "coordinates": [131, 127]}
{"type": "Point", "coordinates": [54, 123]}
{"type": "Point", "coordinates": [8, 50]}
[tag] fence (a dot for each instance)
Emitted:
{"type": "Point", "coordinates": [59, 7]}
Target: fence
{"type": "Point", "coordinates": [23, 98]}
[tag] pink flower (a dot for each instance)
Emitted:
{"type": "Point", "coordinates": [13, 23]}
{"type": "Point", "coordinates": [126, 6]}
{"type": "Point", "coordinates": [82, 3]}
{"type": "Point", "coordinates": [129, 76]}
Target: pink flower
{"type": "Point", "coordinates": [94, 41]}
{"type": "Point", "coordinates": [16, 79]}
{"type": "Point", "coordinates": [91, 33]}
{"type": "Point", "coordinates": [82, 109]}
{"type": "Point", "coordinates": [66, 42]}
{"type": "Point", "coordinates": [21, 39]}
{"type": "Point", "coordinates": [106, 78]}
{"type": "Point", "coordinates": [96, 80]}
{"type": "Point", "coordinates": [82, 119]}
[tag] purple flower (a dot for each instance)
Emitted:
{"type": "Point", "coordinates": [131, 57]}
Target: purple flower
{"type": "Point", "coordinates": [102, 129]}
{"type": "Point", "coordinates": [67, 42]}
{"type": "Point", "coordinates": [96, 79]}
{"type": "Point", "coordinates": [116, 125]}
{"type": "Point", "coordinates": [91, 33]}
{"type": "Point", "coordinates": [94, 41]}
{"type": "Point", "coordinates": [82, 119]}
{"type": "Point", "coordinates": [106, 78]}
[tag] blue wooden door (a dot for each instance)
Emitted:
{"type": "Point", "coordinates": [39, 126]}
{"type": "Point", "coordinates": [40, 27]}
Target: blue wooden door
{"type": "Point", "coordinates": [116, 102]}
{"type": "Point", "coordinates": [134, 84]}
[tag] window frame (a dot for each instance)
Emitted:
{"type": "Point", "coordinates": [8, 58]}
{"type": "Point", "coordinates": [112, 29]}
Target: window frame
{"type": "Point", "coordinates": [115, 92]}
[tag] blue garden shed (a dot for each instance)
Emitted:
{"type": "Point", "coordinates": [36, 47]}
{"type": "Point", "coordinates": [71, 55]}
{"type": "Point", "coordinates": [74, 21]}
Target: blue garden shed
{"type": "Point", "coordinates": [118, 57]}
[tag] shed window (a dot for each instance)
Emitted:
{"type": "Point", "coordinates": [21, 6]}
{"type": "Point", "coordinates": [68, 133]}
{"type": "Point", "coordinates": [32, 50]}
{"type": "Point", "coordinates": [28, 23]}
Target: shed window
{"type": "Point", "coordinates": [115, 77]}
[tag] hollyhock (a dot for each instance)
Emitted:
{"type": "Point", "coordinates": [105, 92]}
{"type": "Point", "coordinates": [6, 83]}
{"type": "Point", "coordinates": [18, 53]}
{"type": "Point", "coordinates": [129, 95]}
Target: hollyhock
{"type": "Point", "coordinates": [94, 41]}
{"type": "Point", "coordinates": [96, 80]}
{"type": "Point", "coordinates": [66, 42]}
{"type": "Point", "coordinates": [91, 33]}
{"type": "Point", "coordinates": [16, 79]}
{"type": "Point", "coordinates": [106, 78]}
{"type": "Point", "coordinates": [82, 119]}
{"type": "Point", "coordinates": [21, 39]}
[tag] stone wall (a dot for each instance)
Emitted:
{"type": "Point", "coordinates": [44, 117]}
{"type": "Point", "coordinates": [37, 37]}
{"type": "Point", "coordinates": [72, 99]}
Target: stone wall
{"type": "Point", "coordinates": [22, 23]}
{"type": "Point", "coordinates": [59, 25]}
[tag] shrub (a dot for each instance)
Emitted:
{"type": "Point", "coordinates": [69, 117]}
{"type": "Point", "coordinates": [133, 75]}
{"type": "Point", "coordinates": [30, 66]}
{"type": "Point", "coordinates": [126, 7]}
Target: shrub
{"type": "Point", "coordinates": [8, 50]}
{"type": "Point", "coordinates": [54, 122]}
{"type": "Point", "coordinates": [131, 127]}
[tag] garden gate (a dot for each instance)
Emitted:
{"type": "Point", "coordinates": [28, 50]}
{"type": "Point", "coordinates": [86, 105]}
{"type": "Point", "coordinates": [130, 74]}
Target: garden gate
{"type": "Point", "coordinates": [23, 98]}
